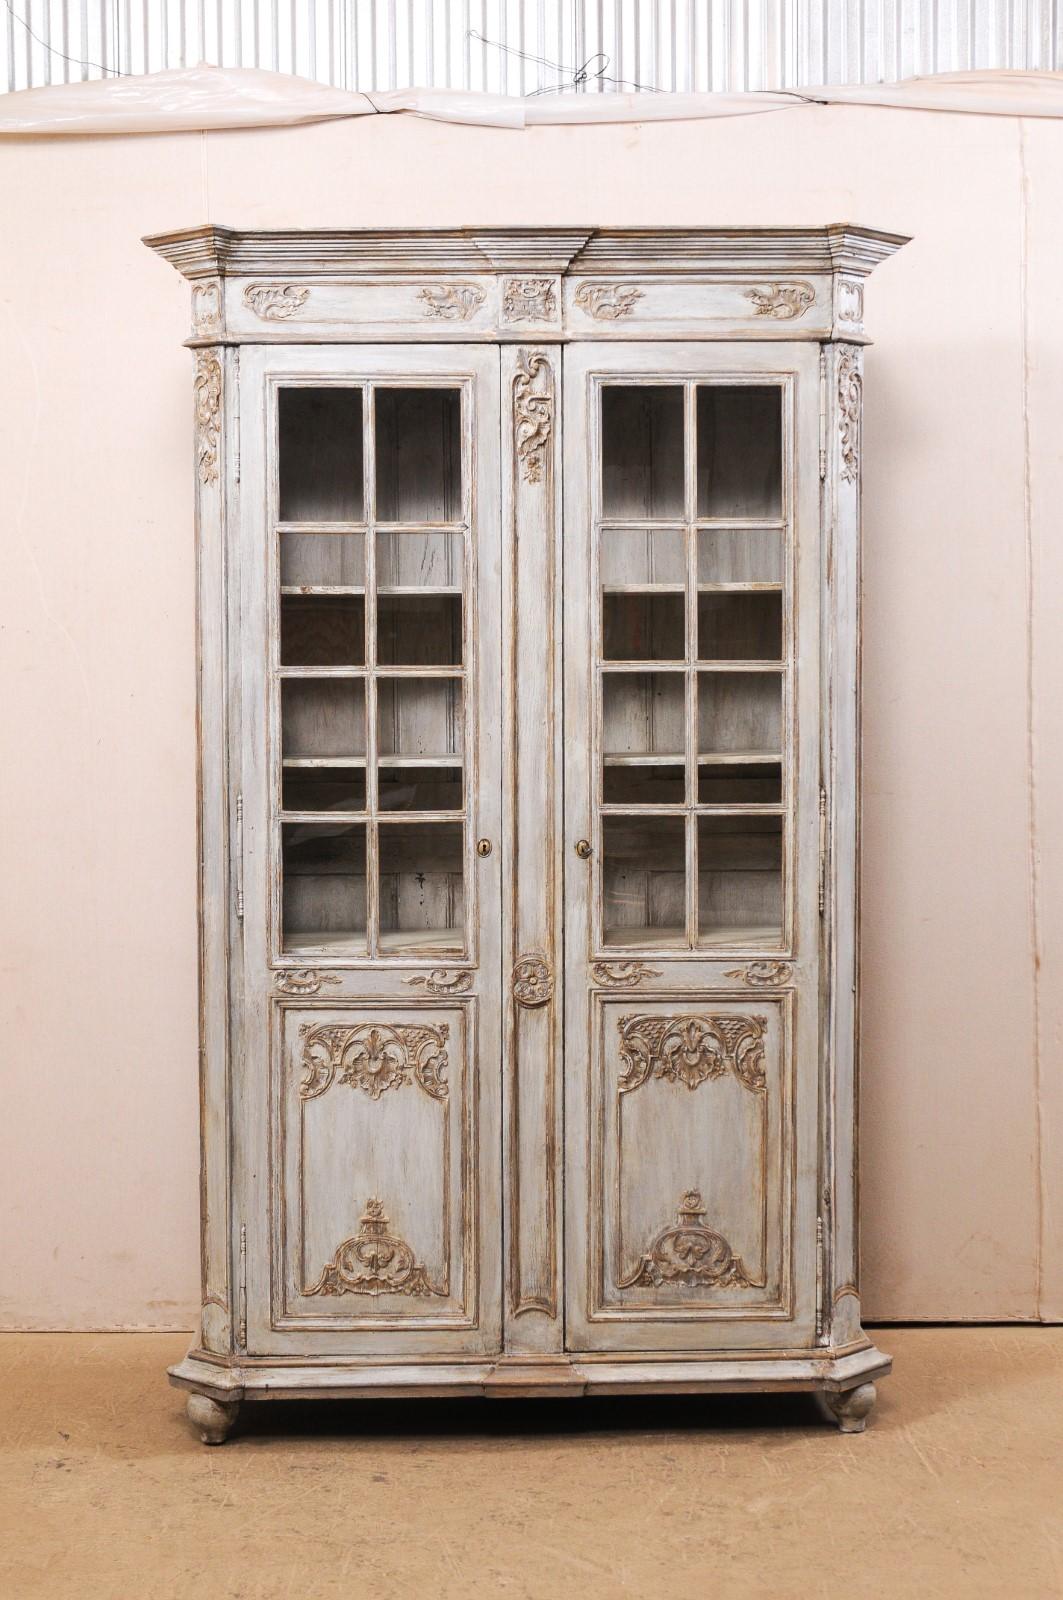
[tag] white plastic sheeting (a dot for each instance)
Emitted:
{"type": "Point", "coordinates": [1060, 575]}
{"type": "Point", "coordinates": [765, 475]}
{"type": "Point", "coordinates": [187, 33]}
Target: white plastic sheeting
{"type": "Point", "coordinates": [205, 97]}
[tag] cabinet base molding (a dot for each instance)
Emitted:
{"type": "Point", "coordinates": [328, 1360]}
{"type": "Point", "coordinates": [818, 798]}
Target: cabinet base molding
{"type": "Point", "coordinates": [845, 1381]}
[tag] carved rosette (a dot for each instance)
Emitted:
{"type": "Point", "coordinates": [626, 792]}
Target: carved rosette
{"type": "Point", "coordinates": [529, 300]}
{"type": "Point", "coordinates": [689, 1254]}
{"type": "Point", "coordinates": [373, 1057]}
{"type": "Point", "coordinates": [691, 1050]}
{"type": "Point", "coordinates": [207, 389]}
{"type": "Point", "coordinates": [622, 974]}
{"type": "Point", "coordinates": [450, 302]}
{"type": "Point", "coordinates": [850, 400]}
{"type": "Point", "coordinates": [275, 302]}
{"type": "Point", "coordinates": [607, 302]}
{"type": "Point", "coordinates": [533, 413]}
{"type": "Point", "coordinates": [763, 974]}
{"type": "Point", "coordinates": [440, 981]}
{"type": "Point", "coordinates": [782, 302]}
{"type": "Point", "coordinates": [306, 981]}
{"type": "Point", "coordinates": [374, 1262]}
{"type": "Point", "coordinates": [532, 980]}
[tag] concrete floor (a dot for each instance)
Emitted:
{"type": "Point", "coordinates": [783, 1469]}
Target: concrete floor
{"type": "Point", "coordinates": [955, 1489]}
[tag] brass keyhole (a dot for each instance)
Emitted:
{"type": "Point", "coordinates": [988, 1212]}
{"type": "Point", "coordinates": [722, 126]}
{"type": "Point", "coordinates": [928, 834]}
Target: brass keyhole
{"type": "Point", "coordinates": [483, 847]}
{"type": "Point", "coordinates": [583, 848]}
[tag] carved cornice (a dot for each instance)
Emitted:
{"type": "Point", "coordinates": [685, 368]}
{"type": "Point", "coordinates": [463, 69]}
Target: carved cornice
{"type": "Point", "coordinates": [769, 253]}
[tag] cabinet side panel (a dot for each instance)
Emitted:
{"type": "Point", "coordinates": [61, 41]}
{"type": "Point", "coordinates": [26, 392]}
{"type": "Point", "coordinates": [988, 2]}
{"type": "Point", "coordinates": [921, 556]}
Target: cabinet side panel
{"type": "Point", "coordinates": [215, 390]}
{"type": "Point", "coordinates": [842, 404]}
{"type": "Point", "coordinates": [531, 404]}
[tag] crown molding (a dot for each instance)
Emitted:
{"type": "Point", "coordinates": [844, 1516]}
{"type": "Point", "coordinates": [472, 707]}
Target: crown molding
{"type": "Point", "coordinates": [219, 252]}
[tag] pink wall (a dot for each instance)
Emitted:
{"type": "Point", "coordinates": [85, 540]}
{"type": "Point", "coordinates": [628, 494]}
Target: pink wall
{"type": "Point", "coordinates": [962, 1118]}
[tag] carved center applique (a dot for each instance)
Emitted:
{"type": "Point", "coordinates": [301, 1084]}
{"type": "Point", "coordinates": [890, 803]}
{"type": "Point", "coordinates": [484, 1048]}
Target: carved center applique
{"type": "Point", "coordinates": [374, 1262]}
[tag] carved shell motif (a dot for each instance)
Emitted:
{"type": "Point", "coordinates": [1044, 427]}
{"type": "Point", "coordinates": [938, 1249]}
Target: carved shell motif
{"type": "Point", "coordinates": [374, 1262]}
{"type": "Point", "coordinates": [688, 1254]}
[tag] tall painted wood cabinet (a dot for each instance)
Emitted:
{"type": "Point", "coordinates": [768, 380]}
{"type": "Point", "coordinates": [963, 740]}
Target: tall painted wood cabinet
{"type": "Point", "coordinates": [528, 667]}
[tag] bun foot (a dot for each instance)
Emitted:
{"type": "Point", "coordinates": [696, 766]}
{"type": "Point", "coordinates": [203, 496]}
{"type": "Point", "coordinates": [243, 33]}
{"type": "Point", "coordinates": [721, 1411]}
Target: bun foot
{"type": "Point", "coordinates": [850, 1408]}
{"type": "Point", "coordinates": [213, 1420]}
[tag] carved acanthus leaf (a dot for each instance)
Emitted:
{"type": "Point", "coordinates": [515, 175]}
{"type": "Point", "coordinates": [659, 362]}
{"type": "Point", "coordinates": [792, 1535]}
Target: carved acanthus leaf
{"type": "Point", "coordinates": [781, 301]}
{"type": "Point", "coordinates": [607, 302]}
{"type": "Point", "coordinates": [763, 973]}
{"type": "Point", "coordinates": [850, 397]}
{"type": "Point", "coordinates": [374, 1262]}
{"type": "Point", "coordinates": [532, 980]}
{"type": "Point", "coordinates": [305, 981]}
{"type": "Point", "coordinates": [691, 1049]}
{"type": "Point", "coordinates": [689, 1254]}
{"type": "Point", "coordinates": [207, 388]}
{"type": "Point", "coordinates": [274, 302]}
{"type": "Point", "coordinates": [451, 302]}
{"type": "Point", "coordinates": [622, 974]}
{"type": "Point", "coordinates": [533, 412]}
{"type": "Point", "coordinates": [374, 1057]}
{"type": "Point", "coordinates": [440, 981]}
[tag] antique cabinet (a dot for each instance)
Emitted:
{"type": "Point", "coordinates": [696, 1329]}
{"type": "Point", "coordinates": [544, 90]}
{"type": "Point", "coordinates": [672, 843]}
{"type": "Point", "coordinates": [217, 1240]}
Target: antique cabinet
{"type": "Point", "coordinates": [528, 668]}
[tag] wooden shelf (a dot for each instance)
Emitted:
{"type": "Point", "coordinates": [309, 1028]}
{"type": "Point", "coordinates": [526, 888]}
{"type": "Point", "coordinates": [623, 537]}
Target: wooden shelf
{"type": "Point", "coordinates": [740, 588]}
{"type": "Point", "coordinates": [322, 588]}
{"type": "Point", "coordinates": [442, 939]}
{"type": "Point", "coordinates": [741, 666]}
{"type": "Point", "coordinates": [419, 761]}
{"type": "Point", "coordinates": [325, 944]}
{"type": "Point", "coordinates": [734, 758]}
{"type": "Point", "coordinates": [427, 589]}
{"type": "Point", "coordinates": [643, 588]}
{"type": "Point", "coordinates": [324, 761]}
{"type": "Point", "coordinates": [644, 760]}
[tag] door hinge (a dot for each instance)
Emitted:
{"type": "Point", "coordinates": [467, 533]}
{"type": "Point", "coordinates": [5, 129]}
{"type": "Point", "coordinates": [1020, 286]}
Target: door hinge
{"type": "Point", "coordinates": [240, 856]}
{"type": "Point", "coordinates": [236, 413]}
{"type": "Point", "coordinates": [820, 1277]}
{"type": "Point", "coordinates": [822, 414]}
{"type": "Point", "coordinates": [822, 850]}
{"type": "Point", "coordinates": [241, 1330]}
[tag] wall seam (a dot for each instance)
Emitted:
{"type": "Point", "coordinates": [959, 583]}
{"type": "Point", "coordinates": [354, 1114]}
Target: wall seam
{"type": "Point", "coordinates": [1031, 720]}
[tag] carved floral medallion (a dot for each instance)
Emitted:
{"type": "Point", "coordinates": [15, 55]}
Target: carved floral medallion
{"type": "Point", "coordinates": [688, 1254]}
{"type": "Point", "coordinates": [373, 1057]}
{"type": "Point", "coordinates": [691, 1050]}
{"type": "Point", "coordinates": [374, 1262]}
{"type": "Point", "coordinates": [608, 302]}
{"type": "Point", "coordinates": [275, 302]}
{"type": "Point", "coordinates": [533, 982]}
{"type": "Point", "coordinates": [207, 391]}
{"type": "Point", "coordinates": [782, 302]}
{"type": "Point", "coordinates": [450, 302]}
{"type": "Point", "coordinates": [533, 413]}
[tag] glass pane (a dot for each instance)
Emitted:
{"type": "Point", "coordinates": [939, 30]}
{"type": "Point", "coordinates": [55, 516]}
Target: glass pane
{"type": "Point", "coordinates": [322, 630]}
{"type": "Point", "coordinates": [419, 560]}
{"type": "Point", "coordinates": [419, 788]}
{"type": "Point", "coordinates": [739, 880]}
{"type": "Point", "coordinates": [643, 627]}
{"type": "Point", "coordinates": [322, 717]}
{"type": "Point", "coordinates": [323, 888]}
{"type": "Point", "coordinates": [739, 450]}
{"type": "Point", "coordinates": [740, 555]}
{"type": "Point", "coordinates": [740, 712]}
{"type": "Point", "coordinates": [739, 627]}
{"type": "Point", "coordinates": [323, 788]}
{"type": "Point", "coordinates": [739, 783]}
{"type": "Point", "coordinates": [418, 630]}
{"type": "Point", "coordinates": [644, 713]}
{"type": "Point", "coordinates": [320, 455]}
{"type": "Point", "coordinates": [644, 881]}
{"type": "Point", "coordinates": [312, 559]}
{"type": "Point", "coordinates": [418, 455]}
{"type": "Point", "coordinates": [642, 451]}
{"type": "Point", "coordinates": [420, 716]}
{"type": "Point", "coordinates": [421, 902]}
{"type": "Point", "coordinates": [652, 784]}
{"type": "Point", "coordinates": [643, 555]}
